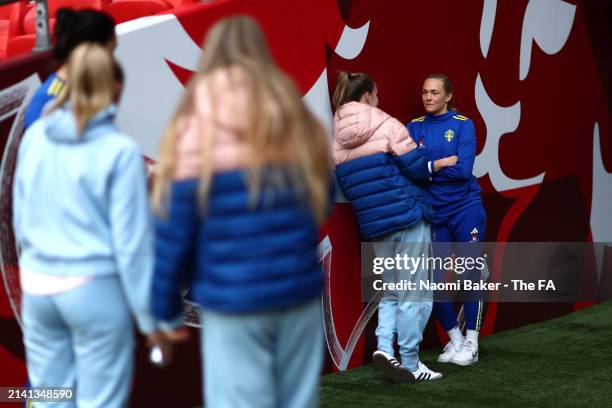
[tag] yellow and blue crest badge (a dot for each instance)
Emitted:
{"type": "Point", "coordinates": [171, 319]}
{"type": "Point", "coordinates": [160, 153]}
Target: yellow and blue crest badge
{"type": "Point", "coordinates": [449, 135]}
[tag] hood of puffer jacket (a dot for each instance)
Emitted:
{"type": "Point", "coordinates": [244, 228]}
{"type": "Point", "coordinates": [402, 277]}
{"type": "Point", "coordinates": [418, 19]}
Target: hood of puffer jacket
{"type": "Point", "coordinates": [222, 97]}
{"type": "Point", "coordinates": [220, 117]}
{"type": "Point", "coordinates": [355, 123]}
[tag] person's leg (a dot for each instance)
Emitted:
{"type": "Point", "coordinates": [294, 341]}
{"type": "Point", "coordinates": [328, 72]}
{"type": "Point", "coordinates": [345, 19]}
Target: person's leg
{"type": "Point", "coordinates": [103, 336]}
{"type": "Point", "coordinates": [468, 229]}
{"type": "Point", "coordinates": [473, 320]}
{"type": "Point", "coordinates": [299, 356]}
{"type": "Point", "coordinates": [414, 307]}
{"type": "Point", "coordinates": [412, 319]}
{"type": "Point", "coordinates": [386, 329]}
{"type": "Point", "coordinates": [443, 311]}
{"type": "Point", "coordinates": [48, 346]}
{"type": "Point", "coordinates": [238, 359]}
{"type": "Point", "coordinates": [387, 324]}
{"type": "Point", "coordinates": [446, 314]}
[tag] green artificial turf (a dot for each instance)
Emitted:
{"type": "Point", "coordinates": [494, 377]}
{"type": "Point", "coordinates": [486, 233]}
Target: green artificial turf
{"type": "Point", "coordinates": [563, 362]}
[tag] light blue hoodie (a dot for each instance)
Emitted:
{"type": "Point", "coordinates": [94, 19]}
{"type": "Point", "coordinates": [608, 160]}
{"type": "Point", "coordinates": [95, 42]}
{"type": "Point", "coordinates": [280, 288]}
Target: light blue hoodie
{"type": "Point", "coordinates": [80, 205]}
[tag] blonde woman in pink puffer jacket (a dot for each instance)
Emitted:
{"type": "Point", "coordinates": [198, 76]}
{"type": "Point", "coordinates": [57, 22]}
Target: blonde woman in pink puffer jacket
{"type": "Point", "coordinates": [379, 170]}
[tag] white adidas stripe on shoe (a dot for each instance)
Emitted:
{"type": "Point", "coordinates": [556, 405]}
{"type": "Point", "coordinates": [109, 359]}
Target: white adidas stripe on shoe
{"type": "Point", "coordinates": [423, 373]}
{"type": "Point", "coordinates": [392, 368]}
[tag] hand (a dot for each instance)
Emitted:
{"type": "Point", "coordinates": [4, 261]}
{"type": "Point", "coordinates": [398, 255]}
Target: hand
{"type": "Point", "coordinates": [411, 144]}
{"type": "Point", "coordinates": [402, 148]}
{"type": "Point", "coordinates": [445, 162]}
{"type": "Point", "coordinates": [160, 340]}
{"type": "Point", "coordinates": [178, 335]}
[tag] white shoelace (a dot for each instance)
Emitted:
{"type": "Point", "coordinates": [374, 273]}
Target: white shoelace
{"type": "Point", "coordinates": [471, 347]}
{"type": "Point", "coordinates": [394, 362]}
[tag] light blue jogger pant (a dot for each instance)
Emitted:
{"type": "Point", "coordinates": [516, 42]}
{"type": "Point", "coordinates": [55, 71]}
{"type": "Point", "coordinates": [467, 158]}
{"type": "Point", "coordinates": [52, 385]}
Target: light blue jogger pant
{"type": "Point", "coordinates": [81, 338]}
{"type": "Point", "coordinates": [262, 360]}
{"type": "Point", "coordinates": [404, 313]}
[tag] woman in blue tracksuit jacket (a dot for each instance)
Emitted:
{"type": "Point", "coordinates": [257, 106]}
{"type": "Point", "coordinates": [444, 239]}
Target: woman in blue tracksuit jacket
{"type": "Point", "coordinates": [243, 183]}
{"type": "Point", "coordinates": [448, 142]}
{"type": "Point", "coordinates": [81, 218]}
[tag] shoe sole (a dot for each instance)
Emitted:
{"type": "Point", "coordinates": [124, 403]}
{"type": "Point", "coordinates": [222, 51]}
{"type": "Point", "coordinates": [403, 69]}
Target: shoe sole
{"type": "Point", "coordinates": [444, 359]}
{"type": "Point", "coordinates": [465, 363]}
{"type": "Point", "coordinates": [396, 374]}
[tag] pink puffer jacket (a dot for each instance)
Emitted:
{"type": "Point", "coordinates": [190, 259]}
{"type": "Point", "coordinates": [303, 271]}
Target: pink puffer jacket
{"type": "Point", "coordinates": [218, 122]}
{"type": "Point", "coordinates": [362, 130]}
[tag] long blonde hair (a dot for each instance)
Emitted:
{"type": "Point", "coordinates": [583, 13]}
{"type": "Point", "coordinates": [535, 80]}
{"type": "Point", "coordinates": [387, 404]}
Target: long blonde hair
{"type": "Point", "coordinates": [90, 83]}
{"type": "Point", "coordinates": [280, 129]}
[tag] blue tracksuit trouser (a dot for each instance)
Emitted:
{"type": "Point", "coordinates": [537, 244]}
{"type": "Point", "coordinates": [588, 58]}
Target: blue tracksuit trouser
{"type": "Point", "coordinates": [401, 312]}
{"type": "Point", "coordinates": [81, 338]}
{"type": "Point", "coordinates": [263, 360]}
{"type": "Point", "coordinates": [468, 225]}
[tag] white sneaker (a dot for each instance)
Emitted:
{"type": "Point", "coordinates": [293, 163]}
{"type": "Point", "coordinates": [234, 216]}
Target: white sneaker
{"type": "Point", "coordinates": [448, 352]}
{"type": "Point", "coordinates": [423, 373]}
{"type": "Point", "coordinates": [392, 367]}
{"type": "Point", "coordinates": [468, 354]}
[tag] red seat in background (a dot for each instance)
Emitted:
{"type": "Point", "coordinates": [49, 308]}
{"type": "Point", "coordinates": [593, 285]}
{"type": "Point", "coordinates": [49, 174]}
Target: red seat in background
{"type": "Point", "coordinates": [22, 44]}
{"type": "Point", "coordinates": [4, 28]}
{"type": "Point", "coordinates": [120, 10]}
{"type": "Point", "coordinates": [29, 21]}
{"type": "Point", "coordinates": [13, 13]}
{"type": "Point", "coordinates": [10, 23]}
{"type": "Point", "coordinates": [125, 10]}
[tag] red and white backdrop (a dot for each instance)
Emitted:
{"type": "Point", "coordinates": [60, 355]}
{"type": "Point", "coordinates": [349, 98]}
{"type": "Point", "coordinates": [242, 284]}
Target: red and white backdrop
{"type": "Point", "coordinates": [532, 74]}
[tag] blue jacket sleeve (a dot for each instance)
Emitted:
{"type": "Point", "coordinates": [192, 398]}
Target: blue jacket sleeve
{"type": "Point", "coordinates": [410, 127]}
{"type": "Point", "coordinates": [413, 166]}
{"type": "Point", "coordinates": [130, 220]}
{"type": "Point", "coordinates": [462, 170]}
{"type": "Point", "coordinates": [175, 242]}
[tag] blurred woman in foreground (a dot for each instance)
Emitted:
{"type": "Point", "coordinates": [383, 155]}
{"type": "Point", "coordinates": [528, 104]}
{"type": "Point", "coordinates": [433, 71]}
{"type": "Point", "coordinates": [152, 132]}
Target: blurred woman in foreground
{"type": "Point", "coordinates": [81, 218]}
{"type": "Point", "coordinates": [243, 184]}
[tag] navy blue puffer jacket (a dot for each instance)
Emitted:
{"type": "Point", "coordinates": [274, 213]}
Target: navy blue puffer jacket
{"type": "Point", "coordinates": [384, 192]}
{"type": "Point", "coordinates": [239, 258]}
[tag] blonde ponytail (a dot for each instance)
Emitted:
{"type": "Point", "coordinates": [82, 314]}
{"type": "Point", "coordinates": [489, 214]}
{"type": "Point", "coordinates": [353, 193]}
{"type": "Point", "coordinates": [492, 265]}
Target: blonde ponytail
{"type": "Point", "coordinates": [90, 82]}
